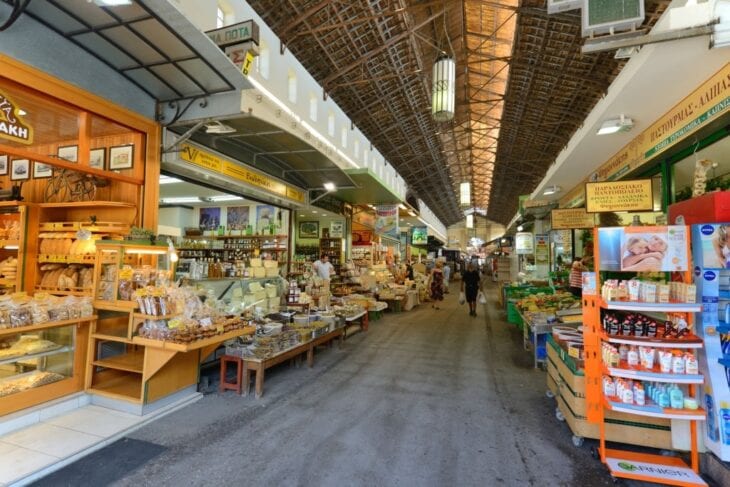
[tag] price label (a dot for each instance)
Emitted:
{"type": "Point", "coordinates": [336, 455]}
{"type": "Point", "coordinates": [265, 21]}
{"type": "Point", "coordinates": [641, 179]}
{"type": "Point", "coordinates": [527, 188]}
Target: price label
{"type": "Point", "coordinates": [221, 328]}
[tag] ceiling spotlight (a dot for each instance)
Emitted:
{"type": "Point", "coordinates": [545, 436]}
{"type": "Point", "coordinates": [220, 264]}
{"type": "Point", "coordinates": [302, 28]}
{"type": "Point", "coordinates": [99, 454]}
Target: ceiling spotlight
{"type": "Point", "coordinates": [552, 190]}
{"type": "Point", "coordinates": [330, 186]}
{"type": "Point", "coordinates": [520, 228]}
{"type": "Point", "coordinates": [218, 128]}
{"type": "Point", "coordinates": [622, 124]}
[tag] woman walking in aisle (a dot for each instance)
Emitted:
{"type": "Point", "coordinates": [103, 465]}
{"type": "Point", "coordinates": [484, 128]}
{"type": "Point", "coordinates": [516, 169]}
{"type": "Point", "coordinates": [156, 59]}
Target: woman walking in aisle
{"type": "Point", "coordinates": [471, 284]}
{"type": "Point", "coordinates": [437, 284]}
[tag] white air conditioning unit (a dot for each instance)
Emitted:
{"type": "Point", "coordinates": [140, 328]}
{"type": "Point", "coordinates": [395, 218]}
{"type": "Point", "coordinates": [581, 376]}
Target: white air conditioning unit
{"type": "Point", "coordinates": [558, 6]}
{"type": "Point", "coordinates": [611, 16]}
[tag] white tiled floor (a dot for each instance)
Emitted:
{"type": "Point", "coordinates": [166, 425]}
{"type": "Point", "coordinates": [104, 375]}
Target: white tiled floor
{"type": "Point", "coordinates": [51, 441]}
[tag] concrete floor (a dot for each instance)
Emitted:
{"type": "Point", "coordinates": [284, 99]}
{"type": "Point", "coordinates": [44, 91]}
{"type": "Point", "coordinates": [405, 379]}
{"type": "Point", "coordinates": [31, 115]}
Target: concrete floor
{"type": "Point", "coordinates": [423, 398]}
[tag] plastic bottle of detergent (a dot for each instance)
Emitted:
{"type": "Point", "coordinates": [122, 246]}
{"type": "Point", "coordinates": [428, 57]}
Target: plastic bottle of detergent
{"type": "Point", "coordinates": [725, 422]}
{"type": "Point", "coordinates": [712, 429]}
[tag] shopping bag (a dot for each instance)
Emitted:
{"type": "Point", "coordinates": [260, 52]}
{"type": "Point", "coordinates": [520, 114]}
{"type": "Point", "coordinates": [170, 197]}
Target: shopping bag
{"type": "Point", "coordinates": [482, 298]}
{"type": "Point", "coordinates": [462, 298]}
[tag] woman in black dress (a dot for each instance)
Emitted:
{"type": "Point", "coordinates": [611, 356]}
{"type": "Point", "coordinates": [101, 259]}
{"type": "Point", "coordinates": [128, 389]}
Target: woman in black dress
{"type": "Point", "coordinates": [471, 283]}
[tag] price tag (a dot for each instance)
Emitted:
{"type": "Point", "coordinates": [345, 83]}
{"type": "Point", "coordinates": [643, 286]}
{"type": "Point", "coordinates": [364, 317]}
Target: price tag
{"type": "Point", "coordinates": [126, 274]}
{"type": "Point", "coordinates": [221, 329]}
{"type": "Point", "coordinates": [172, 324]}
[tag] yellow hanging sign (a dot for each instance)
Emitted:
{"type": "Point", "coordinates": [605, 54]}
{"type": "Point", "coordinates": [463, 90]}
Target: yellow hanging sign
{"type": "Point", "coordinates": [238, 172]}
{"type": "Point", "coordinates": [619, 196]}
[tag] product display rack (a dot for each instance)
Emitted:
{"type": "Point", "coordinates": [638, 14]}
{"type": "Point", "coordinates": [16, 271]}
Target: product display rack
{"type": "Point", "coordinates": [362, 255]}
{"type": "Point", "coordinates": [229, 248]}
{"type": "Point", "coordinates": [626, 464]}
{"type": "Point", "coordinates": [13, 214]}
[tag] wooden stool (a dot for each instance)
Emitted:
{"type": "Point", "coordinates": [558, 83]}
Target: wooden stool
{"type": "Point", "coordinates": [234, 386]}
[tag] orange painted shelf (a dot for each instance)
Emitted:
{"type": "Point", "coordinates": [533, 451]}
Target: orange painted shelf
{"type": "Point", "coordinates": [653, 411]}
{"type": "Point", "coordinates": [691, 341]}
{"type": "Point", "coordinates": [651, 468]}
{"type": "Point", "coordinates": [654, 375]}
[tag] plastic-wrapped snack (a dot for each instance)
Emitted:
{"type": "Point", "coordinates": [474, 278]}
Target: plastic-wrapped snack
{"type": "Point", "coordinates": [86, 307]}
{"type": "Point", "coordinates": [58, 312]}
{"type": "Point", "coordinates": [20, 316]}
{"type": "Point", "coordinates": [39, 312]}
{"type": "Point", "coordinates": [126, 289]}
{"type": "Point", "coordinates": [73, 305]}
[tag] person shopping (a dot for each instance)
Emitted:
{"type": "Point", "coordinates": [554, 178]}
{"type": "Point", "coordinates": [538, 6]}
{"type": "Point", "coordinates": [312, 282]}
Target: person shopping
{"type": "Point", "coordinates": [576, 277]}
{"type": "Point", "coordinates": [471, 284]}
{"type": "Point", "coordinates": [437, 284]}
{"type": "Point", "coordinates": [323, 267]}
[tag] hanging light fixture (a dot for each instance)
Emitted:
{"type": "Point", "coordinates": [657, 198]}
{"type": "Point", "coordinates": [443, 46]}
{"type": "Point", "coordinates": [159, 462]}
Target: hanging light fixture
{"type": "Point", "coordinates": [465, 194]}
{"type": "Point", "coordinates": [470, 221]}
{"type": "Point", "coordinates": [444, 83]}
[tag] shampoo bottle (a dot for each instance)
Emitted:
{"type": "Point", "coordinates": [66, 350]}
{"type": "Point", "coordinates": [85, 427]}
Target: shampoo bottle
{"type": "Point", "coordinates": [676, 398]}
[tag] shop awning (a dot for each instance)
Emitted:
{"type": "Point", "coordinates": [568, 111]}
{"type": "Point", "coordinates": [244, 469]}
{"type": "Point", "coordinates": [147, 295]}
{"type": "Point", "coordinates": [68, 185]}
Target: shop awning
{"type": "Point", "coordinates": [268, 148]}
{"type": "Point", "coordinates": [370, 189]}
{"type": "Point", "coordinates": [149, 42]}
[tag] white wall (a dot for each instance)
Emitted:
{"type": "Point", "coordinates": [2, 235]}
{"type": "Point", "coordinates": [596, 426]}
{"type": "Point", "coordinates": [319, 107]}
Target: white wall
{"type": "Point", "coordinates": [203, 14]}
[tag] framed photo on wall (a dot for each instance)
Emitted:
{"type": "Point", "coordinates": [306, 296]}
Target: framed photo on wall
{"type": "Point", "coordinates": [97, 158]}
{"type": "Point", "coordinates": [121, 157]}
{"type": "Point", "coordinates": [308, 229]}
{"type": "Point", "coordinates": [69, 152]}
{"type": "Point", "coordinates": [3, 165]}
{"type": "Point", "coordinates": [19, 170]}
{"type": "Point", "coordinates": [42, 171]}
{"type": "Point", "coordinates": [337, 229]}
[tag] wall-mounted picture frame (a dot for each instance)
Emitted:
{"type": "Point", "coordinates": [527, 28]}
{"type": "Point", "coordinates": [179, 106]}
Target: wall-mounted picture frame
{"type": "Point", "coordinates": [19, 170]}
{"type": "Point", "coordinates": [69, 153]}
{"type": "Point", "coordinates": [97, 158]}
{"type": "Point", "coordinates": [337, 229]}
{"type": "Point", "coordinates": [121, 157]}
{"type": "Point", "coordinates": [3, 165]}
{"type": "Point", "coordinates": [42, 171]}
{"type": "Point", "coordinates": [309, 229]}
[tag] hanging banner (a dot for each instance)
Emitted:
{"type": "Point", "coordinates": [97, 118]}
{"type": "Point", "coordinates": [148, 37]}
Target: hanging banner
{"type": "Point", "coordinates": [633, 195]}
{"type": "Point", "coordinates": [569, 218]}
{"type": "Point", "coordinates": [542, 250]}
{"type": "Point", "coordinates": [386, 221]}
{"type": "Point", "coordinates": [212, 162]}
{"type": "Point", "coordinates": [524, 243]}
{"type": "Point", "coordinates": [643, 249]}
{"type": "Point", "coordinates": [11, 126]}
{"type": "Point", "coordinates": [419, 235]}
{"type": "Point", "coordinates": [363, 217]}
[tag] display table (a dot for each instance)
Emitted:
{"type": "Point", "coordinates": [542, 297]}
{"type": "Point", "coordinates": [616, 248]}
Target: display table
{"type": "Point", "coordinates": [395, 305]}
{"type": "Point", "coordinates": [531, 333]}
{"type": "Point", "coordinates": [411, 300]}
{"type": "Point", "coordinates": [361, 318]}
{"type": "Point", "coordinates": [259, 366]}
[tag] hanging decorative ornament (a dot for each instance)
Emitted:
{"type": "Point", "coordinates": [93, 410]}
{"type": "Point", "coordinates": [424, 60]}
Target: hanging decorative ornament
{"type": "Point", "coordinates": [444, 82]}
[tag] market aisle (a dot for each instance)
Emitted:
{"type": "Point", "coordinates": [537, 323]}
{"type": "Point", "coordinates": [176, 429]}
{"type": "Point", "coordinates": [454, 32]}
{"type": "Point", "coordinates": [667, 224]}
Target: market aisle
{"type": "Point", "coordinates": [424, 398]}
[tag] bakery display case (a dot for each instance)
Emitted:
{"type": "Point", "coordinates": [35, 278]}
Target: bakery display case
{"type": "Point", "coordinates": [240, 294]}
{"type": "Point", "coordinates": [12, 243]}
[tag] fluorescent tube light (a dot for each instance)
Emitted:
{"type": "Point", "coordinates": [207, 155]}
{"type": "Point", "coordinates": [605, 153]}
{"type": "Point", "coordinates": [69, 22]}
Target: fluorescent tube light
{"type": "Point", "coordinates": [169, 180]}
{"type": "Point", "coordinates": [112, 3]}
{"type": "Point", "coordinates": [181, 199]}
{"type": "Point", "coordinates": [550, 190]}
{"type": "Point", "coordinates": [224, 197]}
{"type": "Point", "coordinates": [330, 186]}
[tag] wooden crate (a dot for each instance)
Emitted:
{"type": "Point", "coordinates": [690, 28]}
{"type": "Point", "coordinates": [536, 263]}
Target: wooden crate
{"type": "Point", "coordinates": [569, 390]}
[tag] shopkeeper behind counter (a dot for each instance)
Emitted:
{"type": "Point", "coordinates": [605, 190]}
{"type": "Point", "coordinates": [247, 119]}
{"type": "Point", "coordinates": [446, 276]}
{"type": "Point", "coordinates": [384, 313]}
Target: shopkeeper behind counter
{"type": "Point", "coordinates": [323, 267]}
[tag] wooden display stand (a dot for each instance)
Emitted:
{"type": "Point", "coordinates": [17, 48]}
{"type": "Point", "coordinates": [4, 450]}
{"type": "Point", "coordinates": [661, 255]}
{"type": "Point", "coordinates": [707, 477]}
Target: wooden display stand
{"type": "Point", "coordinates": [567, 384]}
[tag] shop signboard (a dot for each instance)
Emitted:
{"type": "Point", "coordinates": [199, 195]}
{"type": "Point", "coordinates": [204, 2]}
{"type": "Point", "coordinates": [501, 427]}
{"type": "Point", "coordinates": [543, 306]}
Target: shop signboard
{"type": "Point", "coordinates": [419, 235]}
{"type": "Point", "coordinates": [214, 163]}
{"type": "Point", "coordinates": [542, 249]}
{"type": "Point", "coordinates": [524, 243]}
{"type": "Point", "coordinates": [362, 237]}
{"type": "Point", "coordinates": [337, 229]}
{"type": "Point", "coordinates": [246, 31]}
{"type": "Point", "coordinates": [568, 218]}
{"type": "Point", "coordinates": [706, 104]}
{"type": "Point", "coordinates": [643, 248]}
{"type": "Point", "coordinates": [634, 195]}
{"type": "Point", "coordinates": [11, 126]}
{"type": "Point", "coordinates": [386, 221]}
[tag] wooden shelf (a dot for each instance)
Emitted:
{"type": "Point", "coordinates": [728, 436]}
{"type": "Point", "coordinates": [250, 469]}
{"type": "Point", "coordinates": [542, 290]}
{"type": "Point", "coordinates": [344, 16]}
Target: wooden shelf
{"type": "Point", "coordinates": [142, 316]}
{"type": "Point", "coordinates": [654, 375]}
{"type": "Point", "coordinates": [43, 326]}
{"type": "Point", "coordinates": [8, 282]}
{"type": "Point", "coordinates": [121, 306]}
{"type": "Point", "coordinates": [187, 347]}
{"type": "Point", "coordinates": [89, 259]}
{"type": "Point", "coordinates": [11, 243]}
{"type": "Point", "coordinates": [131, 362]}
{"type": "Point", "coordinates": [691, 341]}
{"type": "Point", "coordinates": [112, 338]}
{"type": "Point", "coordinates": [64, 292]}
{"type": "Point", "coordinates": [23, 358]}
{"type": "Point", "coordinates": [88, 204]}
{"type": "Point", "coordinates": [118, 384]}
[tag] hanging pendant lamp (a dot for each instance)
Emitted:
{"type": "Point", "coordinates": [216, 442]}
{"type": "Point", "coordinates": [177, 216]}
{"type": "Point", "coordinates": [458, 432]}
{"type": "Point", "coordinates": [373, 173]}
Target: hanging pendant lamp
{"type": "Point", "coordinates": [444, 82]}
